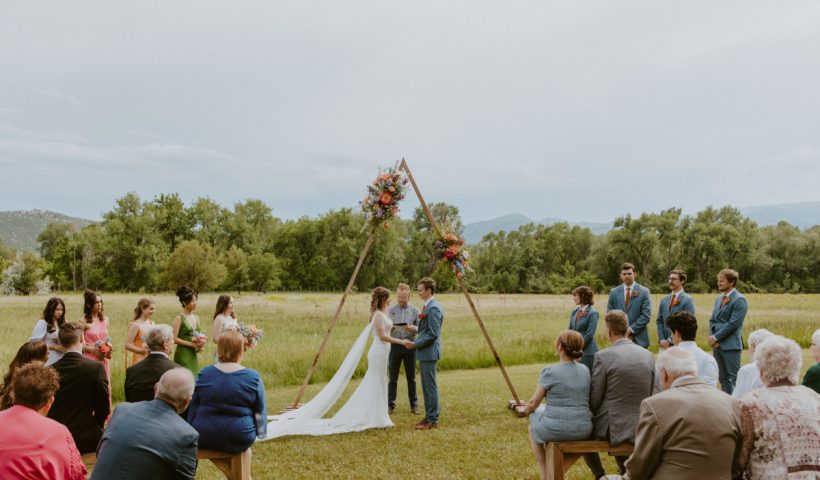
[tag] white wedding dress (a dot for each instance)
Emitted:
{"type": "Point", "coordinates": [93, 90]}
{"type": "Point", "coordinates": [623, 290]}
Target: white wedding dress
{"type": "Point", "coordinates": [366, 408]}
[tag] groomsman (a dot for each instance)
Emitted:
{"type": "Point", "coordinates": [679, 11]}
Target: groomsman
{"type": "Point", "coordinates": [633, 299]}
{"type": "Point", "coordinates": [405, 318]}
{"type": "Point", "coordinates": [726, 328]}
{"type": "Point", "coordinates": [677, 301]}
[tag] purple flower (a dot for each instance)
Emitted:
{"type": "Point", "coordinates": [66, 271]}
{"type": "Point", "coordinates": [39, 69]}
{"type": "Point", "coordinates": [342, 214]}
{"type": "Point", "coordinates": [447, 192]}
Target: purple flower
{"type": "Point", "coordinates": [379, 213]}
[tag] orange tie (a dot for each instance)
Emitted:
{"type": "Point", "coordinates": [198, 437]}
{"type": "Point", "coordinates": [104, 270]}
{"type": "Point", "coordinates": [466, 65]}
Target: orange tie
{"type": "Point", "coordinates": [671, 302]}
{"type": "Point", "coordinates": [577, 316]}
{"type": "Point", "coordinates": [628, 296]}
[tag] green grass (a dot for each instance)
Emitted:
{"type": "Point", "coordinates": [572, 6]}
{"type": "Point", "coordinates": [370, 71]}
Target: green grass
{"type": "Point", "coordinates": [478, 438]}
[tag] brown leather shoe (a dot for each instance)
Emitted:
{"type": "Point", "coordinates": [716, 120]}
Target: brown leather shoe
{"type": "Point", "coordinates": [426, 425]}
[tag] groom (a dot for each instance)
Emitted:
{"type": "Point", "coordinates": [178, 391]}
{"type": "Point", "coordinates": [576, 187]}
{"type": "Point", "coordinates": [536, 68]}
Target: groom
{"type": "Point", "coordinates": [428, 343]}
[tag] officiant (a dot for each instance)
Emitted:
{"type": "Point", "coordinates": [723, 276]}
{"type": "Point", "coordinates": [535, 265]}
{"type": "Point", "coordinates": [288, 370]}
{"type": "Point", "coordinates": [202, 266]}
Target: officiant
{"type": "Point", "coordinates": [405, 319]}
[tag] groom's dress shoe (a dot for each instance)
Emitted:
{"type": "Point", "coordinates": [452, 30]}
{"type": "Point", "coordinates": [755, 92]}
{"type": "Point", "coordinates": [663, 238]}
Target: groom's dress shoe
{"type": "Point", "coordinates": [425, 425]}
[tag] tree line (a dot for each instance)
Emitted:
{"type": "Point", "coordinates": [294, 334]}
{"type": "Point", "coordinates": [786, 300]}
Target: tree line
{"type": "Point", "coordinates": [160, 244]}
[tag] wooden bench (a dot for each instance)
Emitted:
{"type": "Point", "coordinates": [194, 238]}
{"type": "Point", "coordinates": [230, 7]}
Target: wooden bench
{"type": "Point", "coordinates": [236, 466]}
{"type": "Point", "coordinates": [562, 455]}
{"type": "Point", "coordinates": [89, 459]}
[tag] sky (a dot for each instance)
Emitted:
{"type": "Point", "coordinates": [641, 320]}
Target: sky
{"type": "Point", "coordinates": [577, 109]}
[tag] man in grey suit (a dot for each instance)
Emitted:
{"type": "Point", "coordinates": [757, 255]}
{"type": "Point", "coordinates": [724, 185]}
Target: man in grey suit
{"type": "Point", "coordinates": [677, 301]}
{"type": "Point", "coordinates": [150, 439]}
{"type": "Point", "coordinates": [726, 328]}
{"type": "Point", "coordinates": [622, 376]}
{"type": "Point", "coordinates": [428, 347]}
{"type": "Point", "coordinates": [691, 430]}
{"type": "Point", "coordinates": [634, 300]}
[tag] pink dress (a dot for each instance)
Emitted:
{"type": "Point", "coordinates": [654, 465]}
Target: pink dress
{"type": "Point", "coordinates": [34, 446]}
{"type": "Point", "coordinates": [98, 331]}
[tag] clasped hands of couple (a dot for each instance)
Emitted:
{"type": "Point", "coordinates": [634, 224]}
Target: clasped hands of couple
{"type": "Point", "coordinates": [408, 344]}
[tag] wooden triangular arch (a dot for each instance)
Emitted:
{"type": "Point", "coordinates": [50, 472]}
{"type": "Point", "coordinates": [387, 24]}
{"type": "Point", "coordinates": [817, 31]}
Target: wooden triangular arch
{"type": "Point", "coordinates": [514, 404]}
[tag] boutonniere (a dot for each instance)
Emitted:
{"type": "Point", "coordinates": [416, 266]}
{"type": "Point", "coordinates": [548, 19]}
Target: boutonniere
{"type": "Point", "coordinates": [422, 316]}
{"type": "Point", "coordinates": [675, 301]}
{"type": "Point", "coordinates": [634, 293]}
{"type": "Point", "coordinates": [726, 300]}
{"type": "Point", "coordinates": [584, 312]}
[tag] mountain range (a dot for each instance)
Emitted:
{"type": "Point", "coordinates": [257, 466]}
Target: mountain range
{"type": "Point", "coordinates": [19, 229]}
{"type": "Point", "coordinates": [802, 215]}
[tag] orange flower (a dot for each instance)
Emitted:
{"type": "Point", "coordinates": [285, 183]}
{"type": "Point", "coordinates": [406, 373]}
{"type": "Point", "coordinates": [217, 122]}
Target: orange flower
{"type": "Point", "coordinates": [394, 211]}
{"type": "Point", "coordinates": [454, 249]}
{"type": "Point", "coordinates": [386, 198]}
{"type": "Point", "coordinates": [385, 176]}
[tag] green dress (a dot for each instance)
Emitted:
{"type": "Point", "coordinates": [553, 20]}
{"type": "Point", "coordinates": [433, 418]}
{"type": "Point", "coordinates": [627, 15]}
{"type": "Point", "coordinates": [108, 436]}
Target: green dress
{"type": "Point", "coordinates": [186, 356]}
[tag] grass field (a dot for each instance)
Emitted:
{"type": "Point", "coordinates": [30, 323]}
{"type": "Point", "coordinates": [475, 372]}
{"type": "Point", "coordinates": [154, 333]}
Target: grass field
{"type": "Point", "coordinates": [478, 438]}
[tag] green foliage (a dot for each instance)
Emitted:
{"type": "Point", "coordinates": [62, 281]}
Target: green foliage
{"type": "Point", "coordinates": [22, 274]}
{"type": "Point", "coordinates": [196, 265]}
{"type": "Point", "coordinates": [236, 264]}
{"type": "Point", "coordinates": [263, 272]}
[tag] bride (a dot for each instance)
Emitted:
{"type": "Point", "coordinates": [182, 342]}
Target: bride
{"type": "Point", "coordinates": [367, 407]}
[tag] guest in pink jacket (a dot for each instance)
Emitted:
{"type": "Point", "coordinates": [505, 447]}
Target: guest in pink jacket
{"type": "Point", "coordinates": [33, 446]}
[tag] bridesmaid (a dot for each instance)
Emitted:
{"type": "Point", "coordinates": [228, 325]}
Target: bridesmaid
{"type": "Point", "coordinates": [96, 326]}
{"type": "Point", "coordinates": [46, 328]}
{"type": "Point", "coordinates": [134, 340]}
{"type": "Point", "coordinates": [584, 320]}
{"type": "Point", "coordinates": [184, 326]}
{"type": "Point", "coordinates": [224, 320]}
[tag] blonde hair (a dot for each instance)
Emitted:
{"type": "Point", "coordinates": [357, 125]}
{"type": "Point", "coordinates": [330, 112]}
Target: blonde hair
{"type": "Point", "coordinates": [141, 305]}
{"type": "Point", "coordinates": [230, 346]}
{"type": "Point", "coordinates": [379, 298]}
{"type": "Point", "coordinates": [403, 287]}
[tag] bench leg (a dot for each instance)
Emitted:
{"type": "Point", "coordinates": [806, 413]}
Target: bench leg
{"type": "Point", "coordinates": [555, 462]}
{"type": "Point", "coordinates": [224, 465]}
{"type": "Point", "coordinates": [241, 467]}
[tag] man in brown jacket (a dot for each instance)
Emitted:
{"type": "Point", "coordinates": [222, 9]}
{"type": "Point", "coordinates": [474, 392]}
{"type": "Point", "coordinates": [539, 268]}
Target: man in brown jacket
{"type": "Point", "coordinates": [689, 431]}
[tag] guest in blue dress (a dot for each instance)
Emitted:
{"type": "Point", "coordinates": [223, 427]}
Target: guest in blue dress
{"type": "Point", "coordinates": [228, 407]}
{"type": "Point", "coordinates": [584, 320]}
{"type": "Point", "coordinates": [566, 416]}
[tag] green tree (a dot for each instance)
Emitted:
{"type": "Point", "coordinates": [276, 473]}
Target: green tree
{"type": "Point", "coordinates": [170, 219]}
{"type": "Point", "coordinates": [236, 265]}
{"type": "Point", "coordinates": [196, 265]}
{"type": "Point", "coordinates": [211, 223]}
{"type": "Point", "coordinates": [263, 271]}
{"type": "Point", "coordinates": [252, 226]}
{"type": "Point", "coordinates": [22, 275]}
{"type": "Point", "coordinates": [58, 252]}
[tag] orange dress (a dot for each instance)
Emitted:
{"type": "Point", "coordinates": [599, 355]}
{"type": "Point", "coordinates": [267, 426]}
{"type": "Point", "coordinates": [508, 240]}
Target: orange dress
{"type": "Point", "coordinates": [139, 341]}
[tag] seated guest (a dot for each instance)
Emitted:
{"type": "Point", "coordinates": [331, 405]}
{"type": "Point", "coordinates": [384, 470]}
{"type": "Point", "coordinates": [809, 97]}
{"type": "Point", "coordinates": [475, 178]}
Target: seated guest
{"type": "Point", "coordinates": [812, 377]}
{"type": "Point", "coordinates": [141, 377]}
{"type": "Point", "coordinates": [622, 376]}
{"type": "Point", "coordinates": [29, 352]}
{"type": "Point", "coordinates": [748, 377]}
{"type": "Point", "coordinates": [566, 415]}
{"type": "Point", "coordinates": [228, 409]}
{"type": "Point", "coordinates": [81, 403]}
{"type": "Point", "coordinates": [31, 445]}
{"type": "Point", "coordinates": [150, 439]}
{"type": "Point", "coordinates": [781, 422]}
{"type": "Point", "coordinates": [684, 327]}
{"type": "Point", "coordinates": [690, 430]}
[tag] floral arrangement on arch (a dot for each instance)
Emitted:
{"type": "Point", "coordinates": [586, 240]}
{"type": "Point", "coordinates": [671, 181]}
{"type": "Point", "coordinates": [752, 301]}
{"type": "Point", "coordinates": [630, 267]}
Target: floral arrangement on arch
{"type": "Point", "coordinates": [449, 248]}
{"type": "Point", "coordinates": [383, 196]}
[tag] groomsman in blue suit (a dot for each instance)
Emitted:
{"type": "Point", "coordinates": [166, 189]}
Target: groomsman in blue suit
{"type": "Point", "coordinates": [726, 328]}
{"type": "Point", "coordinates": [677, 301]}
{"type": "Point", "coordinates": [428, 351]}
{"type": "Point", "coordinates": [635, 301]}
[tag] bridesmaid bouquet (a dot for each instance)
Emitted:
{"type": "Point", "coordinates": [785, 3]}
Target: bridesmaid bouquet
{"type": "Point", "coordinates": [252, 334]}
{"type": "Point", "coordinates": [199, 338]}
{"type": "Point", "coordinates": [104, 348]}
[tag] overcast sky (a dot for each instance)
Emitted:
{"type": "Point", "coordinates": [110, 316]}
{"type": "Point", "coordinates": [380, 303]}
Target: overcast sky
{"type": "Point", "coordinates": [576, 109]}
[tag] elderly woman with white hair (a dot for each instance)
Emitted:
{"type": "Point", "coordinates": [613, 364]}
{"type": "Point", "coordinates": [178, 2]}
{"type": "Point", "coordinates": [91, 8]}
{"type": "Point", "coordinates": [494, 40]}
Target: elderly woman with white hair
{"type": "Point", "coordinates": [781, 422]}
{"type": "Point", "coordinates": [812, 377]}
{"type": "Point", "coordinates": [748, 377]}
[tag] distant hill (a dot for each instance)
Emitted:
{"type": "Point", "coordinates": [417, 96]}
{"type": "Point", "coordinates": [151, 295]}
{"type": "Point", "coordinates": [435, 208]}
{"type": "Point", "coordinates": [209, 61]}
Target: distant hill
{"type": "Point", "coordinates": [802, 215]}
{"type": "Point", "coordinates": [19, 229]}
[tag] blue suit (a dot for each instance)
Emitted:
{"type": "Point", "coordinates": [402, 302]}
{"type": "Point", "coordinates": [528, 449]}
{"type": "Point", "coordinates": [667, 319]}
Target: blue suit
{"type": "Point", "coordinates": [687, 304]}
{"type": "Point", "coordinates": [639, 312]}
{"type": "Point", "coordinates": [428, 352]}
{"type": "Point", "coordinates": [726, 325]}
{"type": "Point", "coordinates": [586, 326]}
{"type": "Point", "coordinates": [146, 440]}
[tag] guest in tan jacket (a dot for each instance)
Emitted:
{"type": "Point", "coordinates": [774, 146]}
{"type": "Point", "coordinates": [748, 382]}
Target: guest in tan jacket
{"type": "Point", "coordinates": [689, 431]}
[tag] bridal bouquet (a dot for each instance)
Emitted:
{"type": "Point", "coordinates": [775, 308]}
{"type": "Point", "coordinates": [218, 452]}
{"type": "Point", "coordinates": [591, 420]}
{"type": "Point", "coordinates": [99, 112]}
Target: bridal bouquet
{"type": "Point", "coordinates": [449, 248]}
{"type": "Point", "coordinates": [199, 339]}
{"type": "Point", "coordinates": [252, 334]}
{"type": "Point", "coordinates": [104, 348]}
{"type": "Point", "coordinates": [382, 200]}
